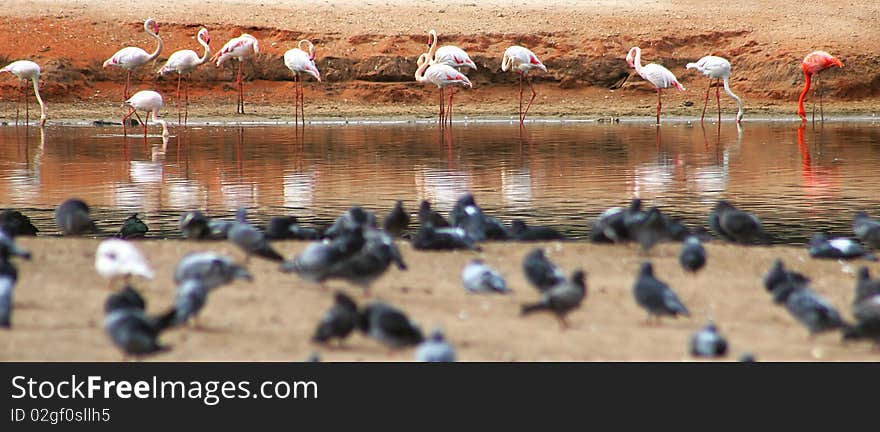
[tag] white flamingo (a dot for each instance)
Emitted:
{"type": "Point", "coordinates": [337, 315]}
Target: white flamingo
{"type": "Point", "coordinates": [184, 62]}
{"type": "Point", "coordinates": [522, 60]}
{"type": "Point", "coordinates": [449, 55]}
{"type": "Point", "coordinates": [440, 75]}
{"type": "Point", "coordinates": [149, 101]}
{"type": "Point", "coordinates": [717, 68]}
{"type": "Point", "coordinates": [657, 75]}
{"type": "Point", "coordinates": [239, 48]}
{"type": "Point", "coordinates": [131, 58]}
{"type": "Point", "coordinates": [301, 60]}
{"type": "Point", "coordinates": [27, 70]}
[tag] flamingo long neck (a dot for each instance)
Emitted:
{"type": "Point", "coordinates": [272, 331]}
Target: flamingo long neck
{"type": "Point", "coordinates": [433, 48]}
{"type": "Point", "coordinates": [162, 122]}
{"type": "Point", "coordinates": [207, 50]}
{"type": "Point", "coordinates": [739, 114]}
{"type": "Point", "coordinates": [158, 47]}
{"type": "Point", "coordinates": [808, 77]}
{"type": "Point", "coordinates": [506, 62]}
{"type": "Point", "coordinates": [637, 61]}
{"type": "Point", "coordinates": [40, 100]}
{"type": "Point", "coordinates": [423, 65]}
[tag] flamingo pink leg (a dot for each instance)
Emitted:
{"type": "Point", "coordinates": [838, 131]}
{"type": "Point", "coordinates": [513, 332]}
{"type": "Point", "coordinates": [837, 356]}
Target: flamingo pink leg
{"type": "Point", "coordinates": [295, 101]}
{"type": "Point", "coordinates": [520, 99]}
{"type": "Point", "coordinates": [302, 103]}
{"type": "Point", "coordinates": [186, 103]}
{"type": "Point", "coordinates": [178, 99]}
{"type": "Point", "coordinates": [531, 99]}
{"type": "Point", "coordinates": [18, 103]}
{"type": "Point", "coordinates": [440, 121]}
{"type": "Point", "coordinates": [718, 99]}
{"type": "Point", "coordinates": [240, 107]}
{"type": "Point", "coordinates": [659, 106]}
{"type": "Point", "coordinates": [449, 109]}
{"type": "Point", "coordinates": [27, 103]}
{"type": "Point", "coordinates": [706, 101]}
{"type": "Point", "coordinates": [127, 80]}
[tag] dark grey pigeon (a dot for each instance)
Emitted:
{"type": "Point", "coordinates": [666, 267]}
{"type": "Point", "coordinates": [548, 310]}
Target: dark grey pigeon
{"type": "Point", "coordinates": [613, 224]}
{"type": "Point", "coordinates": [354, 217]}
{"type": "Point", "coordinates": [319, 258]}
{"type": "Point", "coordinates": [430, 238]}
{"type": "Point", "coordinates": [708, 342]}
{"type": "Point", "coordinates": [737, 226]}
{"type": "Point", "coordinates": [427, 215]}
{"type": "Point", "coordinates": [457, 213]}
{"type": "Point", "coordinates": [747, 357]}
{"type": "Point", "coordinates": [781, 282]}
{"type": "Point", "coordinates": [820, 246]}
{"type": "Point", "coordinates": [865, 286]}
{"type": "Point", "coordinates": [389, 325]}
{"type": "Point", "coordinates": [14, 223]}
{"type": "Point", "coordinates": [370, 263]}
{"type": "Point", "coordinates": [650, 229]}
{"type": "Point", "coordinates": [189, 300]}
{"type": "Point", "coordinates": [339, 321]}
{"type": "Point", "coordinates": [814, 312]}
{"type": "Point", "coordinates": [867, 315]}
{"type": "Point", "coordinates": [211, 269]}
{"type": "Point", "coordinates": [561, 298]}
{"type": "Point", "coordinates": [194, 226]}
{"type": "Point", "coordinates": [8, 247]}
{"type": "Point", "coordinates": [73, 219]}
{"type": "Point", "coordinates": [397, 221]}
{"type": "Point", "coordinates": [478, 277]}
{"type": "Point", "coordinates": [435, 349]}
{"type": "Point", "coordinates": [540, 271]}
{"type": "Point", "coordinates": [8, 277]}
{"type": "Point", "coordinates": [520, 231]}
{"type": "Point", "coordinates": [218, 229]}
{"type": "Point", "coordinates": [867, 230]}
{"type": "Point", "coordinates": [132, 228]}
{"type": "Point", "coordinates": [693, 255]}
{"type": "Point", "coordinates": [251, 240]}
{"type": "Point", "coordinates": [130, 328]}
{"type": "Point", "coordinates": [468, 215]}
{"type": "Point", "coordinates": [655, 296]}
{"type": "Point", "coordinates": [288, 228]}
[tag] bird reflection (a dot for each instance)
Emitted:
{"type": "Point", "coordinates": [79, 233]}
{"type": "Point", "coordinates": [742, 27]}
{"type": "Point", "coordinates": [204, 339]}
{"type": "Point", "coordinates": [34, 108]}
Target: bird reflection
{"type": "Point", "coordinates": [818, 181]}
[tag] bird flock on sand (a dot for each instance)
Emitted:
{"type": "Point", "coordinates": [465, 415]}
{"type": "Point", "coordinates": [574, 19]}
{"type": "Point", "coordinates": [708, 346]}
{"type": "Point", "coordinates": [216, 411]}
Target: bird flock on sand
{"type": "Point", "coordinates": [357, 250]}
{"type": "Point", "coordinates": [441, 66]}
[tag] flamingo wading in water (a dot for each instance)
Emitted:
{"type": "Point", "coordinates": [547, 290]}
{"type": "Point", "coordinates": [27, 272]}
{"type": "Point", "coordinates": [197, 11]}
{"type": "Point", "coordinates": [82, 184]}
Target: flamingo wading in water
{"type": "Point", "coordinates": [184, 62]}
{"type": "Point", "coordinates": [657, 75]}
{"type": "Point", "coordinates": [240, 48]}
{"type": "Point", "coordinates": [449, 55]}
{"type": "Point", "coordinates": [813, 63]}
{"type": "Point", "coordinates": [522, 60]}
{"type": "Point", "coordinates": [27, 70]}
{"type": "Point", "coordinates": [149, 101]}
{"type": "Point", "coordinates": [299, 61]}
{"type": "Point", "coordinates": [717, 68]}
{"type": "Point", "coordinates": [131, 58]}
{"type": "Point", "coordinates": [440, 75]}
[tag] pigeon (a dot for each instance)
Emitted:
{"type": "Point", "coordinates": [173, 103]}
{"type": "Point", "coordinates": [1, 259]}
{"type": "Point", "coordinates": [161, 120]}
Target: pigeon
{"type": "Point", "coordinates": [540, 271]}
{"type": "Point", "coordinates": [8, 247]}
{"type": "Point", "coordinates": [820, 246]}
{"type": "Point", "coordinates": [478, 277]}
{"type": "Point", "coordinates": [370, 263]}
{"type": "Point", "coordinates": [814, 312]}
{"type": "Point", "coordinates": [339, 321]}
{"type": "Point", "coordinates": [130, 328]}
{"type": "Point", "coordinates": [194, 226]}
{"type": "Point", "coordinates": [708, 342]}
{"type": "Point", "coordinates": [133, 227]}
{"type": "Point", "coordinates": [73, 219]}
{"type": "Point", "coordinates": [561, 298]}
{"type": "Point", "coordinates": [655, 296]}
{"type": "Point", "coordinates": [389, 325]}
{"type": "Point", "coordinates": [747, 357]}
{"type": "Point", "coordinates": [781, 282]}
{"type": "Point", "coordinates": [435, 349]}
{"type": "Point", "coordinates": [190, 298]}
{"type": "Point", "coordinates": [427, 215]}
{"type": "Point", "coordinates": [397, 221]}
{"type": "Point", "coordinates": [314, 357]}
{"type": "Point", "coordinates": [457, 213]}
{"type": "Point", "coordinates": [865, 286]}
{"type": "Point", "coordinates": [8, 278]}
{"type": "Point", "coordinates": [867, 315]}
{"type": "Point", "coordinates": [693, 256]}
{"type": "Point", "coordinates": [613, 224]}
{"type": "Point", "coordinates": [14, 223]}
{"type": "Point", "coordinates": [288, 228]}
{"type": "Point", "coordinates": [867, 230]}
{"type": "Point", "coordinates": [249, 239]}
{"type": "Point", "coordinates": [319, 258]}
{"type": "Point", "coordinates": [116, 258]}
{"type": "Point", "coordinates": [353, 218]}
{"type": "Point", "coordinates": [211, 269]}
{"type": "Point", "coordinates": [519, 231]}
{"type": "Point", "coordinates": [737, 226]}
{"type": "Point", "coordinates": [466, 214]}
{"type": "Point", "coordinates": [649, 229]}
{"type": "Point", "coordinates": [430, 238]}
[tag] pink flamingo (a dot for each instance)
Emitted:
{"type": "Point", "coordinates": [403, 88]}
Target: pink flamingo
{"type": "Point", "coordinates": [813, 63]}
{"type": "Point", "coordinates": [522, 60]}
{"type": "Point", "coordinates": [240, 48]}
{"type": "Point", "coordinates": [717, 68]}
{"type": "Point", "coordinates": [149, 101]}
{"type": "Point", "coordinates": [440, 75]}
{"type": "Point", "coordinates": [300, 60]}
{"type": "Point", "coordinates": [131, 58]}
{"type": "Point", "coordinates": [449, 55]}
{"type": "Point", "coordinates": [657, 75]}
{"type": "Point", "coordinates": [27, 70]}
{"type": "Point", "coordinates": [184, 62]}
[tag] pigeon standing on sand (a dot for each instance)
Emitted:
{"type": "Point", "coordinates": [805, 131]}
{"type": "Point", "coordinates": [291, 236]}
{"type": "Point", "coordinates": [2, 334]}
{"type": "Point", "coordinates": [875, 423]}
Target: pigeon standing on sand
{"type": "Point", "coordinates": [73, 219]}
{"type": "Point", "coordinates": [429, 216]}
{"type": "Point", "coordinates": [8, 278]}
{"type": "Point", "coordinates": [649, 230]}
{"type": "Point", "coordinates": [708, 342]}
{"type": "Point", "coordinates": [781, 282]}
{"type": "Point", "coordinates": [613, 224]}
{"type": "Point", "coordinates": [540, 271]}
{"type": "Point", "coordinates": [194, 225]}
{"type": "Point", "coordinates": [288, 228]}
{"type": "Point", "coordinates": [435, 349]}
{"type": "Point", "coordinates": [478, 277]}
{"type": "Point", "coordinates": [389, 325]}
{"type": "Point", "coordinates": [370, 263]}
{"type": "Point", "coordinates": [431, 238]}
{"type": "Point", "coordinates": [655, 296]}
{"type": "Point", "coordinates": [865, 286]}
{"type": "Point", "coordinates": [468, 215]}
{"type": "Point", "coordinates": [820, 246]}
{"type": "Point", "coordinates": [561, 298]}
{"type": "Point", "coordinates": [352, 218]}
{"type": "Point", "coordinates": [867, 230]}
{"type": "Point", "coordinates": [250, 240]}
{"type": "Point", "coordinates": [339, 321]}
{"type": "Point", "coordinates": [867, 315]}
{"type": "Point", "coordinates": [737, 226]}
{"type": "Point", "coordinates": [130, 328]}
{"type": "Point", "coordinates": [14, 223]}
{"type": "Point", "coordinates": [519, 231]}
{"type": "Point", "coordinates": [397, 221]}
{"type": "Point", "coordinates": [211, 269]}
{"type": "Point", "coordinates": [190, 298]}
{"type": "Point", "coordinates": [813, 311]}
{"type": "Point", "coordinates": [318, 259]}
{"type": "Point", "coordinates": [693, 255]}
{"type": "Point", "coordinates": [120, 258]}
{"type": "Point", "coordinates": [133, 227]}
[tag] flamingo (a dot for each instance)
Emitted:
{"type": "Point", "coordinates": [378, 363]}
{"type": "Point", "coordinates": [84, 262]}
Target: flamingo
{"type": "Point", "coordinates": [440, 75]}
{"type": "Point", "coordinates": [300, 60]}
{"type": "Point", "coordinates": [813, 63]}
{"type": "Point", "coordinates": [27, 70]}
{"type": "Point", "coordinates": [131, 58]}
{"type": "Point", "coordinates": [522, 60]}
{"type": "Point", "coordinates": [184, 62]}
{"type": "Point", "coordinates": [657, 75]}
{"type": "Point", "coordinates": [149, 101]}
{"type": "Point", "coordinates": [449, 55]}
{"type": "Point", "coordinates": [717, 68]}
{"type": "Point", "coordinates": [239, 48]}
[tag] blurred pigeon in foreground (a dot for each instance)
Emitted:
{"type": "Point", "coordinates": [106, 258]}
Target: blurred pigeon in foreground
{"type": "Point", "coordinates": [435, 349]}
{"type": "Point", "coordinates": [693, 256]}
{"type": "Point", "coordinates": [339, 321]}
{"type": "Point", "coordinates": [468, 215]}
{"type": "Point", "coordinates": [708, 342]}
{"type": "Point", "coordinates": [655, 296]}
{"type": "Point", "coordinates": [133, 227]}
{"type": "Point", "coordinates": [9, 248]}
{"type": "Point", "coordinates": [14, 223]}
{"type": "Point", "coordinates": [397, 221]}
{"type": "Point", "coordinates": [867, 230]}
{"type": "Point", "coordinates": [429, 216]}
{"type": "Point", "coordinates": [867, 315]}
{"type": "Point", "coordinates": [746, 357]}
{"type": "Point", "coordinates": [194, 226]}
{"type": "Point", "coordinates": [389, 326]}
{"type": "Point", "coordinates": [865, 286]}
{"type": "Point", "coordinates": [781, 282]}
{"type": "Point", "coordinates": [8, 278]}
{"type": "Point", "coordinates": [737, 226]}
{"type": "Point", "coordinates": [478, 277]}
{"type": "Point", "coordinates": [288, 228]}
{"type": "Point", "coordinates": [211, 269]}
{"type": "Point", "coordinates": [814, 312]}
{"type": "Point", "coordinates": [430, 238]}
{"type": "Point", "coordinates": [354, 217]}
{"type": "Point", "coordinates": [820, 246]}
{"type": "Point", "coordinates": [540, 271]}
{"type": "Point", "coordinates": [130, 328]}
{"type": "Point", "coordinates": [613, 224]}
{"type": "Point", "coordinates": [370, 263]}
{"type": "Point", "coordinates": [561, 298]}
{"type": "Point", "coordinates": [72, 217]}
{"type": "Point", "coordinates": [249, 239]}
{"type": "Point", "coordinates": [519, 231]}
{"type": "Point", "coordinates": [650, 229]}
{"type": "Point", "coordinates": [120, 258]}
{"type": "Point", "coordinates": [190, 298]}
{"type": "Point", "coordinates": [318, 259]}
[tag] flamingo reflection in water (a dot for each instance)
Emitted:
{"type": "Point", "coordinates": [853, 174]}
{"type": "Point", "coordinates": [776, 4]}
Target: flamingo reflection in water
{"type": "Point", "coordinates": [819, 182]}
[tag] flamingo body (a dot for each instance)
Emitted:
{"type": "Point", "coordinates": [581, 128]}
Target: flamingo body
{"type": "Point", "coordinates": [813, 63]}
{"type": "Point", "coordinates": [449, 55]}
{"type": "Point", "coordinates": [520, 59]}
{"type": "Point", "coordinates": [657, 75]}
{"type": "Point", "coordinates": [28, 70]}
{"type": "Point", "coordinates": [301, 61]}
{"type": "Point", "coordinates": [151, 102]}
{"type": "Point", "coordinates": [716, 67]}
{"type": "Point", "coordinates": [131, 58]}
{"type": "Point", "coordinates": [239, 48]}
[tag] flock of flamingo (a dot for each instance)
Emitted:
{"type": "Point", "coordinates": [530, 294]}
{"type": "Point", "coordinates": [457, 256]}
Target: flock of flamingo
{"type": "Point", "coordinates": [438, 66]}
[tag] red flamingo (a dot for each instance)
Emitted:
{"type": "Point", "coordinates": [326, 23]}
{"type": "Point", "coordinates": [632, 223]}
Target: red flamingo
{"type": "Point", "coordinates": [813, 63]}
{"type": "Point", "coordinates": [657, 75]}
{"type": "Point", "coordinates": [131, 58]}
{"type": "Point", "coordinates": [240, 48]}
{"type": "Point", "coordinates": [184, 62]}
{"type": "Point", "coordinates": [522, 60]}
{"type": "Point", "coordinates": [440, 75]}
